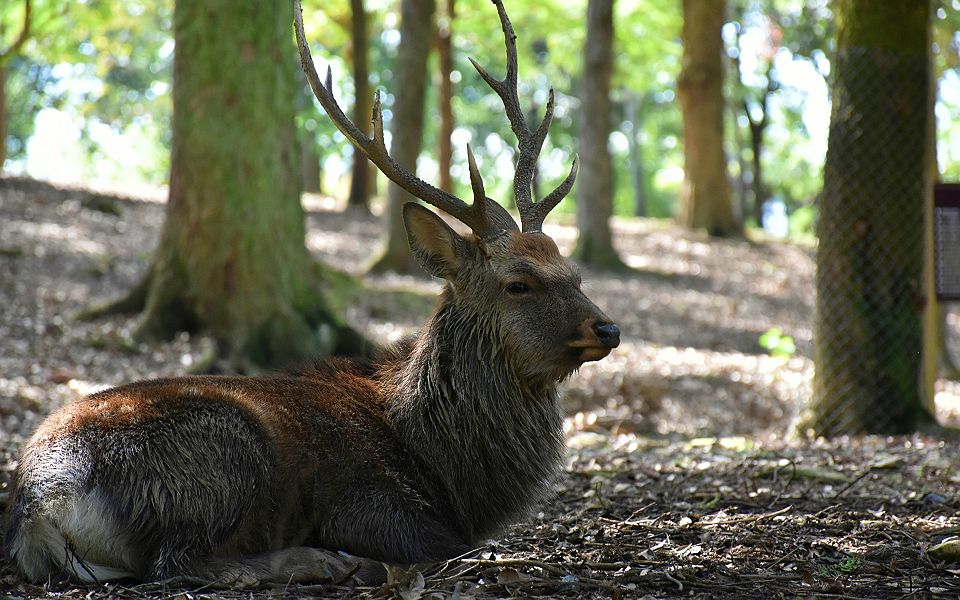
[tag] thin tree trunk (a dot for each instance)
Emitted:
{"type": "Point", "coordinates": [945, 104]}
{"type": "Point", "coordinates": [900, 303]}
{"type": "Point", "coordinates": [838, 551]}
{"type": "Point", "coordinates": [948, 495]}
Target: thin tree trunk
{"type": "Point", "coordinates": [757, 129]}
{"type": "Point", "coordinates": [445, 97]}
{"type": "Point", "coordinates": [310, 173]}
{"type": "Point", "coordinates": [306, 141]}
{"type": "Point", "coordinates": [870, 278]}
{"type": "Point", "coordinates": [636, 160]}
{"type": "Point", "coordinates": [362, 107]}
{"type": "Point", "coordinates": [416, 35]}
{"type": "Point", "coordinates": [705, 195]}
{"type": "Point", "coordinates": [595, 181]}
{"type": "Point", "coordinates": [740, 181]}
{"type": "Point", "coordinates": [4, 116]}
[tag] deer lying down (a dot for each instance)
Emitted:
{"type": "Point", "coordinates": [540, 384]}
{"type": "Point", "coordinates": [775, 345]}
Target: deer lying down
{"type": "Point", "coordinates": [417, 456]}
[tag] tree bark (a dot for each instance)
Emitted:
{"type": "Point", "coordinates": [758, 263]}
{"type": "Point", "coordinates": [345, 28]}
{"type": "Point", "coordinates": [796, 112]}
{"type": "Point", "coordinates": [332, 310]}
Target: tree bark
{"type": "Point", "coordinates": [306, 141]}
{"type": "Point", "coordinates": [445, 98]}
{"type": "Point", "coordinates": [870, 281]}
{"type": "Point", "coordinates": [757, 129]}
{"type": "Point", "coordinates": [410, 87]}
{"type": "Point", "coordinates": [704, 201]}
{"type": "Point", "coordinates": [362, 106]}
{"type": "Point", "coordinates": [595, 181]}
{"type": "Point", "coordinates": [741, 204]}
{"type": "Point", "coordinates": [232, 260]}
{"type": "Point", "coordinates": [310, 172]}
{"type": "Point", "coordinates": [4, 116]}
{"type": "Point", "coordinates": [634, 111]}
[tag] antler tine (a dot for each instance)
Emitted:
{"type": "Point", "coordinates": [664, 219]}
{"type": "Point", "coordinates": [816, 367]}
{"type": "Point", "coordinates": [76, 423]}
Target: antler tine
{"type": "Point", "coordinates": [480, 218]}
{"type": "Point", "coordinates": [476, 182]}
{"type": "Point", "coordinates": [530, 143]}
{"type": "Point", "coordinates": [485, 208]}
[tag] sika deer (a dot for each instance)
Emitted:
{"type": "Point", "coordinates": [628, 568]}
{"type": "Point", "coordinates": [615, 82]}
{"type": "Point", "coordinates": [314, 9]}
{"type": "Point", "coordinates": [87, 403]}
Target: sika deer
{"type": "Point", "coordinates": [414, 457]}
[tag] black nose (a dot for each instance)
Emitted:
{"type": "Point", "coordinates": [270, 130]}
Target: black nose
{"type": "Point", "coordinates": [608, 334]}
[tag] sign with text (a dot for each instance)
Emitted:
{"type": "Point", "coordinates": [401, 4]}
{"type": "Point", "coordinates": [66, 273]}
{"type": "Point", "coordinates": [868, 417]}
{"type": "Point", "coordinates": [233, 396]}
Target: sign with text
{"type": "Point", "coordinates": [946, 239]}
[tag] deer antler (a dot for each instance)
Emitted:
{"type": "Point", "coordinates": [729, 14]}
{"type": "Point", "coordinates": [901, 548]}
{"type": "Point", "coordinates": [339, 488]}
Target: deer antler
{"type": "Point", "coordinates": [485, 217]}
{"type": "Point", "coordinates": [530, 142]}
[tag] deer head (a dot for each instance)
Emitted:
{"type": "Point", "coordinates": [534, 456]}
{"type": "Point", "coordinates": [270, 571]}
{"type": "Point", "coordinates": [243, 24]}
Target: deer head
{"type": "Point", "coordinates": [514, 277]}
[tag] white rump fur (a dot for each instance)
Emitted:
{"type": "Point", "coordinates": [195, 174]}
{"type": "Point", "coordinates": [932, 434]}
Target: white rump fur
{"type": "Point", "coordinates": [75, 534]}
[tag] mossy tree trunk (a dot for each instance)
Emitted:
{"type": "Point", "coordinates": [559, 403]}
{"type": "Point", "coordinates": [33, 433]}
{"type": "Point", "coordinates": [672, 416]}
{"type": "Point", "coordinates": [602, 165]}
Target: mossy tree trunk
{"type": "Point", "coordinates": [870, 279]}
{"type": "Point", "coordinates": [704, 201]}
{"type": "Point", "coordinates": [595, 180]}
{"type": "Point", "coordinates": [359, 197]}
{"type": "Point", "coordinates": [232, 260]}
{"type": "Point", "coordinates": [409, 86]}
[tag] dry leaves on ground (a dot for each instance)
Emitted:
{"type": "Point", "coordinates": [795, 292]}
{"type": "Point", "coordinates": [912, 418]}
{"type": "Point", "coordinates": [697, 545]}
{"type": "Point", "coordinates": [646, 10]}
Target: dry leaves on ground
{"type": "Point", "coordinates": [680, 480]}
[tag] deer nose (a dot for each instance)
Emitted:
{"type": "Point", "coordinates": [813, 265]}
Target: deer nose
{"type": "Point", "coordinates": [608, 334]}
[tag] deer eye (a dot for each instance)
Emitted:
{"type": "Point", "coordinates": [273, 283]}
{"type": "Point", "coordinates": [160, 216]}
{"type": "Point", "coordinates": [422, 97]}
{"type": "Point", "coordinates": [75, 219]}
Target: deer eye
{"type": "Point", "coordinates": [518, 288]}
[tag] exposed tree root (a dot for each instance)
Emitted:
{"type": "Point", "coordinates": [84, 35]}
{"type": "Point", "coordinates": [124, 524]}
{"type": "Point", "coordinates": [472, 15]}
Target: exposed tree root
{"type": "Point", "coordinates": [290, 336]}
{"type": "Point", "coordinates": [130, 303]}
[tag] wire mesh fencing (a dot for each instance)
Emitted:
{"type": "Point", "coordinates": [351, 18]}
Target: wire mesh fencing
{"type": "Point", "coordinates": [870, 288]}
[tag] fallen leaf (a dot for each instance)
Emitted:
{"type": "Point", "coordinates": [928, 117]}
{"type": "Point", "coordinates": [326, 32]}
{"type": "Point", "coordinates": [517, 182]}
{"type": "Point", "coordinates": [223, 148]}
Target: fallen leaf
{"type": "Point", "coordinates": [888, 461]}
{"type": "Point", "coordinates": [948, 550]}
{"type": "Point", "coordinates": [511, 575]}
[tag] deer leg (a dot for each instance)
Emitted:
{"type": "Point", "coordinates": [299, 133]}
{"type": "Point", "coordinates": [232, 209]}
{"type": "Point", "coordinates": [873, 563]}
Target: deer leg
{"type": "Point", "coordinates": [293, 565]}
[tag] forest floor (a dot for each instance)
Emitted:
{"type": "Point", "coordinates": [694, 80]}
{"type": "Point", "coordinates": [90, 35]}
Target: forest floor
{"type": "Point", "coordinates": [684, 476]}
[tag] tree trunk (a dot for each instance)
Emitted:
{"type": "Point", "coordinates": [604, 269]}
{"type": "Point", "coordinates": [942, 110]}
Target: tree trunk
{"type": "Point", "coordinates": [232, 261]}
{"type": "Point", "coordinates": [362, 107]}
{"type": "Point", "coordinates": [634, 111]}
{"type": "Point", "coordinates": [742, 205]}
{"type": "Point", "coordinates": [704, 201]}
{"type": "Point", "coordinates": [445, 98]}
{"type": "Point", "coordinates": [4, 116]}
{"type": "Point", "coordinates": [870, 291]}
{"type": "Point", "coordinates": [595, 181]}
{"type": "Point", "coordinates": [310, 173]}
{"type": "Point", "coordinates": [410, 87]}
{"type": "Point", "coordinates": [758, 128]}
{"type": "Point", "coordinates": [307, 146]}
{"type": "Point", "coordinates": [756, 148]}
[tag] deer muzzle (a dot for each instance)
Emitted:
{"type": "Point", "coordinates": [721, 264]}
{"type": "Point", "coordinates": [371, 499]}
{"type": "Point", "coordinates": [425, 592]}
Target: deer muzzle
{"type": "Point", "coordinates": [597, 339]}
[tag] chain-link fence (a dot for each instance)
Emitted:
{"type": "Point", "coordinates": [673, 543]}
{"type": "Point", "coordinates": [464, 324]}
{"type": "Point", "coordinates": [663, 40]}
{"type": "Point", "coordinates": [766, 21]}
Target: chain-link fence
{"type": "Point", "coordinates": [870, 285]}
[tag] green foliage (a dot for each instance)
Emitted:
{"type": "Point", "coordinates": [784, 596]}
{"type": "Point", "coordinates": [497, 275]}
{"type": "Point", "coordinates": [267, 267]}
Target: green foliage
{"type": "Point", "coordinates": [946, 47]}
{"type": "Point", "coordinates": [795, 36]}
{"type": "Point", "coordinates": [777, 343]}
{"type": "Point", "coordinates": [29, 91]}
{"type": "Point", "coordinates": [104, 63]}
{"type": "Point", "coordinates": [107, 64]}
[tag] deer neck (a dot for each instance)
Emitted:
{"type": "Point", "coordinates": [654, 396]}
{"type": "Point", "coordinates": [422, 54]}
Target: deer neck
{"type": "Point", "coordinates": [493, 440]}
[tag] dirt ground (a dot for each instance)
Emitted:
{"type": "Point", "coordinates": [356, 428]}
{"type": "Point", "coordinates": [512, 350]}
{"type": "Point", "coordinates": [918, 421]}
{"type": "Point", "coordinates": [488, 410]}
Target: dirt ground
{"type": "Point", "coordinates": [683, 477]}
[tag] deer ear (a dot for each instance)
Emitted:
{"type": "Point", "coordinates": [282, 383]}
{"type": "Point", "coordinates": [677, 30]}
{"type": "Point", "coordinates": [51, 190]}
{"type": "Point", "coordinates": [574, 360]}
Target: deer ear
{"type": "Point", "coordinates": [436, 246]}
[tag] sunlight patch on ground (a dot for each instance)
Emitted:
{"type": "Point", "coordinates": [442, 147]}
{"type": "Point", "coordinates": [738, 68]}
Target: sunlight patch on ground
{"type": "Point", "coordinates": [51, 235]}
{"type": "Point", "coordinates": [947, 402]}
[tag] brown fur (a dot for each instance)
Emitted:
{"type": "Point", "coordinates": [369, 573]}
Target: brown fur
{"type": "Point", "coordinates": [416, 456]}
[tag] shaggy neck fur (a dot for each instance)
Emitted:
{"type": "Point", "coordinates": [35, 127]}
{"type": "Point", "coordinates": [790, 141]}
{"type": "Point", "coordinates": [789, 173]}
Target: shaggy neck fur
{"type": "Point", "coordinates": [492, 439]}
